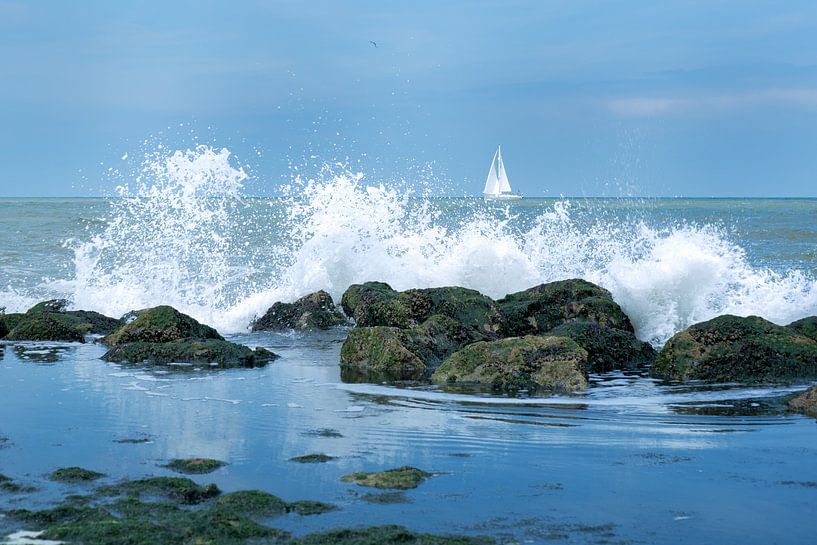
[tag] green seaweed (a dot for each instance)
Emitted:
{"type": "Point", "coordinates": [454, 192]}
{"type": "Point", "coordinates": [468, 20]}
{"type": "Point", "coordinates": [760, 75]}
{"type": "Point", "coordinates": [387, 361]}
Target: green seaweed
{"type": "Point", "coordinates": [180, 489]}
{"type": "Point", "coordinates": [401, 478]}
{"type": "Point", "coordinates": [385, 535]}
{"type": "Point", "coordinates": [312, 458]}
{"type": "Point", "coordinates": [195, 466]}
{"type": "Point", "coordinates": [75, 475]}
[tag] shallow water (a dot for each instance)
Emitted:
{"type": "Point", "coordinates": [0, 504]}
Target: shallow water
{"type": "Point", "coordinates": [629, 461]}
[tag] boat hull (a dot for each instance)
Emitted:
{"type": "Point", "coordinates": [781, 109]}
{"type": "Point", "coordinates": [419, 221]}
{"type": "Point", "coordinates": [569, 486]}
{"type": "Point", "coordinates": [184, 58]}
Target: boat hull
{"type": "Point", "coordinates": [501, 197]}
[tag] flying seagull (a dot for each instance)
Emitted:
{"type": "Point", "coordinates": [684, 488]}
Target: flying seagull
{"type": "Point", "coordinates": [373, 43]}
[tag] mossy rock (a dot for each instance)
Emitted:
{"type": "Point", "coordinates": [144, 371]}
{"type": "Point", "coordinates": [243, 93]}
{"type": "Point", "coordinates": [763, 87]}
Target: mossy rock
{"type": "Point", "coordinates": [374, 304]}
{"type": "Point", "coordinates": [806, 327]}
{"type": "Point", "coordinates": [312, 458]}
{"type": "Point", "coordinates": [211, 352]}
{"type": "Point", "coordinates": [377, 354]}
{"type": "Point", "coordinates": [11, 320]}
{"type": "Point", "coordinates": [178, 489]}
{"type": "Point", "coordinates": [49, 321]}
{"type": "Point", "coordinates": [805, 402]}
{"type": "Point", "coordinates": [253, 503]}
{"type": "Point", "coordinates": [607, 348]}
{"type": "Point", "coordinates": [542, 308]}
{"type": "Point", "coordinates": [195, 466]}
{"type": "Point", "coordinates": [731, 348]}
{"type": "Point", "coordinates": [310, 507]}
{"type": "Point", "coordinates": [4, 328]}
{"type": "Point", "coordinates": [75, 475]}
{"type": "Point", "coordinates": [531, 363]}
{"type": "Point", "coordinates": [386, 535]}
{"type": "Point", "coordinates": [161, 324]}
{"type": "Point", "coordinates": [401, 478]}
{"type": "Point", "coordinates": [314, 311]}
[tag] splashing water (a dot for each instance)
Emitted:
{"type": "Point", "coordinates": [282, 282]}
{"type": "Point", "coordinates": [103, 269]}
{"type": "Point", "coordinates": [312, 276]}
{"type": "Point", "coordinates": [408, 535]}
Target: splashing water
{"type": "Point", "coordinates": [183, 235]}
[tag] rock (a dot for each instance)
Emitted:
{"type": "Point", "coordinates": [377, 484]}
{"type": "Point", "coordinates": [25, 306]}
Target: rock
{"type": "Point", "coordinates": [376, 304]}
{"type": "Point", "coordinates": [401, 478]}
{"type": "Point", "coordinates": [253, 503]}
{"type": "Point", "coordinates": [159, 325]}
{"type": "Point", "coordinates": [319, 458]}
{"type": "Point", "coordinates": [49, 321]}
{"type": "Point", "coordinates": [178, 489]}
{"type": "Point", "coordinates": [163, 335]}
{"type": "Point", "coordinates": [195, 466]}
{"type": "Point", "coordinates": [313, 311]}
{"type": "Point", "coordinates": [213, 352]}
{"type": "Point", "coordinates": [386, 535]}
{"type": "Point", "coordinates": [4, 329]}
{"type": "Point", "coordinates": [540, 309]}
{"type": "Point", "coordinates": [607, 348]}
{"type": "Point", "coordinates": [730, 348]}
{"type": "Point", "coordinates": [805, 402]}
{"type": "Point", "coordinates": [377, 354]}
{"type": "Point", "coordinates": [806, 327]}
{"type": "Point", "coordinates": [75, 475]}
{"type": "Point", "coordinates": [309, 507]}
{"type": "Point", "coordinates": [517, 363]}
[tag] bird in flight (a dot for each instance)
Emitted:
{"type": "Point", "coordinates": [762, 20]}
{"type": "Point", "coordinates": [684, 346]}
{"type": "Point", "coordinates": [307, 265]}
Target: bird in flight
{"type": "Point", "coordinates": [373, 43]}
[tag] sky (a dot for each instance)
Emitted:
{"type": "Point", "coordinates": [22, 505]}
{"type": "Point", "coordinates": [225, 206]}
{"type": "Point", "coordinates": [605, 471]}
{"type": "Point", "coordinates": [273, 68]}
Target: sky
{"type": "Point", "coordinates": [587, 98]}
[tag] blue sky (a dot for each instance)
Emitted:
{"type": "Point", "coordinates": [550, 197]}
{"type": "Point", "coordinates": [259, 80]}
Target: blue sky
{"type": "Point", "coordinates": [692, 98]}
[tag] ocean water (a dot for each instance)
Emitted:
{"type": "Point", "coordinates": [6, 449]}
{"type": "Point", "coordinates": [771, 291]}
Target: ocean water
{"type": "Point", "coordinates": [631, 460]}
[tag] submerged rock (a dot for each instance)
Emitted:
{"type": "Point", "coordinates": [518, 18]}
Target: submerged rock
{"type": "Point", "coordinates": [319, 458]}
{"type": "Point", "coordinates": [211, 352]}
{"type": "Point", "coordinates": [401, 478]}
{"type": "Point", "coordinates": [607, 348]}
{"type": "Point", "coordinates": [805, 402]}
{"type": "Point", "coordinates": [49, 321]}
{"type": "Point", "coordinates": [195, 466]}
{"type": "Point", "coordinates": [542, 308]}
{"type": "Point", "coordinates": [386, 535]}
{"type": "Point", "coordinates": [75, 475]}
{"type": "Point", "coordinates": [313, 311]}
{"type": "Point", "coordinates": [377, 304]}
{"type": "Point", "coordinates": [518, 363]}
{"type": "Point", "coordinates": [179, 489]}
{"type": "Point", "coordinates": [162, 335]}
{"type": "Point", "coordinates": [731, 348]}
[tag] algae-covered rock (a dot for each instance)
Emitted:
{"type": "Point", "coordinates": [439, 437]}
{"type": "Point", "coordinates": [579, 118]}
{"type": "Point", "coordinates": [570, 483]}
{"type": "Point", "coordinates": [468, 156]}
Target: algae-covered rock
{"type": "Point", "coordinates": [160, 325]}
{"type": "Point", "coordinates": [386, 535]}
{"type": "Point", "coordinates": [7, 484]}
{"type": "Point", "coordinates": [179, 489]}
{"type": "Point", "coordinates": [375, 354]}
{"type": "Point", "coordinates": [805, 402]}
{"type": "Point", "coordinates": [50, 321]}
{"type": "Point", "coordinates": [731, 348]}
{"type": "Point", "coordinates": [376, 304]}
{"type": "Point", "coordinates": [806, 327]}
{"type": "Point", "coordinates": [319, 458]}
{"type": "Point", "coordinates": [518, 363]}
{"type": "Point", "coordinates": [253, 503]}
{"type": "Point", "coordinates": [75, 475]}
{"type": "Point", "coordinates": [4, 329]}
{"type": "Point", "coordinates": [401, 478]}
{"type": "Point", "coordinates": [607, 348]}
{"type": "Point", "coordinates": [310, 507]}
{"type": "Point", "coordinates": [313, 311]}
{"type": "Point", "coordinates": [195, 466]}
{"type": "Point", "coordinates": [212, 352]}
{"type": "Point", "coordinates": [539, 309]}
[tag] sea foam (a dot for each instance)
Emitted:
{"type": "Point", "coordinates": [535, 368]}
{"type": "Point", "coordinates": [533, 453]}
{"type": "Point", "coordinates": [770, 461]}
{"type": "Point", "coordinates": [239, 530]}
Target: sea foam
{"type": "Point", "coordinates": [182, 233]}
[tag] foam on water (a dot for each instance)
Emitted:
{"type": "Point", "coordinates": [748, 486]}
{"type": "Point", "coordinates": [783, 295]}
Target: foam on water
{"type": "Point", "coordinates": [182, 234]}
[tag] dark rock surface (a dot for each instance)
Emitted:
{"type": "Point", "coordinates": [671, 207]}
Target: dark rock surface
{"type": "Point", "coordinates": [805, 402]}
{"type": "Point", "coordinates": [314, 311]}
{"type": "Point", "coordinates": [50, 321]}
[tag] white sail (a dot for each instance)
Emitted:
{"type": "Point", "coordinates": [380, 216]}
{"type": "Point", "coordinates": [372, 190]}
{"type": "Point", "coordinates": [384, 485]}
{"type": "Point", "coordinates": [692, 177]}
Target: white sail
{"type": "Point", "coordinates": [504, 184]}
{"type": "Point", "coordinates": [492, 183]}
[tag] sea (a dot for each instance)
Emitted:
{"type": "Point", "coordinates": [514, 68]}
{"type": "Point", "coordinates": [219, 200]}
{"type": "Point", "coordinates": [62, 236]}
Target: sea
{"type": "Point", "coordinates": [631, 460]}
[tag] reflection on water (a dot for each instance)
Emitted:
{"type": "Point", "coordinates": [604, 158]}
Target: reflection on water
{"type": "Point", "coordinates": [630, 460]}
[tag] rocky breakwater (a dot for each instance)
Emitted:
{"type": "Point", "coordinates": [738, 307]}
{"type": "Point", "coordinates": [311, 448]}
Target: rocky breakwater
{"type": "Point", "coordinates": [162, 335]}
{"type": "Point", "coordinates": [545, 338]}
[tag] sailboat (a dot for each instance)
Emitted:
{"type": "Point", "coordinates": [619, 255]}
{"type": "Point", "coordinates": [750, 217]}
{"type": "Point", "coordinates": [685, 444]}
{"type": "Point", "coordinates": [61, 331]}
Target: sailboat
{"type": "Point", "coordinates": [497, 186]}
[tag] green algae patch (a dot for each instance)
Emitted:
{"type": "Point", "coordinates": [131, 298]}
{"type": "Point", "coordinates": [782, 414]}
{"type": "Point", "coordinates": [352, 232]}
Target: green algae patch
{"type": "Point", "coordinates": [160, 325]}
{"type": "Point", "coordinates": [7, 484]}
{"type": "Point", "coordinates": [386, 535]}
{"type": "Point", "coordinates": [252, 503]}
{"type": "Point", "coordinates": [386, 498]}
{"type": "Point", "coordinates": [401, 478]}
{"type": "Point", "coordinates": [75, 475]}
{"type": "Point", "coordinates": [195, 466]}
{"type": "Point", "coordinates": [178, 489]}
{"type": "Point", "coordinates": [310, 507]}
{"type": "Point", "coordinates": [319, 458]}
